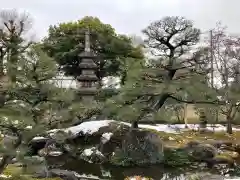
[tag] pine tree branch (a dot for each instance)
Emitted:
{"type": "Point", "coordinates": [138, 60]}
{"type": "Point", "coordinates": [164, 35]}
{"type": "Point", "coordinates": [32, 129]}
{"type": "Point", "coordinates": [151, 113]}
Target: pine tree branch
{"type": "Point", "coordinates": [216, 102]}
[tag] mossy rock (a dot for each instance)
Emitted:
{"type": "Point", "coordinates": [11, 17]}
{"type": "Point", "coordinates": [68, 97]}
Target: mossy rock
{"type": "Point", "coordinates": [139, 147]}
{"type": "Point", "coordinates": [232, 154]}
{"type": "Point", "coordinates": [201, 152]}
{"type": "Point", "coordinates": [222, 159]}
{"type": "Point", "coordinates": [115, 141]}
{"type": "Point", "coordinates": [175, 157]}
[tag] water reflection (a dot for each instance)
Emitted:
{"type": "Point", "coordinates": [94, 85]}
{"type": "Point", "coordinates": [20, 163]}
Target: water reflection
{"type": "Point", "coordinates": [117, 173]}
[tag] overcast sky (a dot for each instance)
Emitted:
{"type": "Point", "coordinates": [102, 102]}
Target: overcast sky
{"type": "Point", "coordinates": [128, 16]}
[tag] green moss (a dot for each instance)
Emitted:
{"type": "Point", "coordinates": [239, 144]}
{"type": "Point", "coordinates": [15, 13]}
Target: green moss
{"type": "Point", "coordinates": [225, 157]}
{"type": "Point", "coordinates": [120, 159]}
{"type": "Point", "coordinates": [231, 154]}
{"type": "Point", "coordinates": [12, 170]}
{"type": "Point", "coordinates": [16, 174]}
{"type": "Point", "coordinates": [176, 157]}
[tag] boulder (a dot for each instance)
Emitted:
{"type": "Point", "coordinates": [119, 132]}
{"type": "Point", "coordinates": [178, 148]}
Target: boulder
{"type": "Point", "coordinates": [36, 144]}
{"type": "Point", "coordinates": [232, 154]}
{"type": "Point", "coordinates": [221, 159]}
{"type": "Point", "coordinates": [236, 148]}
{"type": "Point", "coordinates": [57, 173]}
{"type": "Point", "coordinates": [93, 137]}
{"type": "Point", "coordinates": [200, 152]}
{"type": "Point", "coordinates": [139, 147]}
{"type": "Point", "coordinates": [204, 176]}
{"type": "Point", "coordinates": [93, 155]}
{"type": "Point", "coordinates": [221, 144]}
{"type": "Point", "coordinates": [111, 140]}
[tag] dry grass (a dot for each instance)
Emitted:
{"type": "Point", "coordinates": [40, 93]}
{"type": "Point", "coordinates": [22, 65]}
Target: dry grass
{"type": "Point", "coordinates": [178, 140]}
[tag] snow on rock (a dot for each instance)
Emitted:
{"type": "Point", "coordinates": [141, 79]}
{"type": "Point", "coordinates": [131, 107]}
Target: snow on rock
{"type": "Point", "coordinates": [88, 152]}
{"type": "Point", "coordinates": [89, 127]}
{"type": "Point", "coordinates": [39, 138]}
{"type": "Point", "coordinates": [138, 177]}
{"type": "Point", "coordinates": [55, 153]}
{"type": "Point", "coordinates": [106, 137]}
{"type": "Point", "coordinates": [87, 176]}
{"type": "Point", "coordinates": [92, 155]}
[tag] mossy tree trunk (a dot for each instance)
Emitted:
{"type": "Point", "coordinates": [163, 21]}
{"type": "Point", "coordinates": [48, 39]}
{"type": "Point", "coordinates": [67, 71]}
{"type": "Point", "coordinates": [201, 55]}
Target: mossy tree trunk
{"type": "Point", "coordinates": [6, 159]}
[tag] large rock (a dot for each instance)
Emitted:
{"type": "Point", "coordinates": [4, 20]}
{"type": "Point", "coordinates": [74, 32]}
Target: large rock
{"type": "Point", "coordinates": [112, 140]}
{"type": "Point", "coordinates": [64, 175]}
{"type": "Point", "coordinates": [36, 144]}
{"type": "Point", "coordinates": [221, 160]}
{"type": "Point", "coordinates": [87, 133]}
{"type": "Point", "coordinates": [204, 176]}
{"type": "Point", "coordinates": [139, 147]}
{"type": "Point", "coordinates": [93, 155]}
{"type": "Point", "coordinates": [96, 137]}
{"type": "Point", "coordinates": [57, 173]}
{"type": "Point", "coordinates": [200, 152]}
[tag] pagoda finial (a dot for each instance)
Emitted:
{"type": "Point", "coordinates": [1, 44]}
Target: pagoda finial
{"type": "Point", "coordinates": [87, 40]}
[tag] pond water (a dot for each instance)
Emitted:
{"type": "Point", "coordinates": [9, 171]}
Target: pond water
{"type": "Point", "coordinates": [94, 171]}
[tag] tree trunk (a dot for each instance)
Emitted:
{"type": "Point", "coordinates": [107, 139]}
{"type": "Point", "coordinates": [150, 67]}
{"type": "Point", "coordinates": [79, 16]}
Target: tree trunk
{"type": "Point", "coordinates": [123, 78]}
{"type": "Point", "coordinates": [134, 125]}
{"type": "Point", "coordinates": [229, 125]}
{"type": "Point", "coordinates": [185, 115]}
{"type": "Point", "coordinates": [6, 159]}
{"type": "Point", "coordinates": [4, 162]}
{"type": "Point", "coordinates": [1, 61]}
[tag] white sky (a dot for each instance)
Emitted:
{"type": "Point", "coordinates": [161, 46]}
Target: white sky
{"type": "Point", "coordinates": [128, 16]}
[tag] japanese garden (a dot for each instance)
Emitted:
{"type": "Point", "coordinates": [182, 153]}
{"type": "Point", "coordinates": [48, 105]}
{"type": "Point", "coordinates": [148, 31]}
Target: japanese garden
{"type": "Point", "coordinates": [162, 106]}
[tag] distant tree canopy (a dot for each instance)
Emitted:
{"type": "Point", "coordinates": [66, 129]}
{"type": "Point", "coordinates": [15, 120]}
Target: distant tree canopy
{"type": "Point", "coordinates": [66, 40]}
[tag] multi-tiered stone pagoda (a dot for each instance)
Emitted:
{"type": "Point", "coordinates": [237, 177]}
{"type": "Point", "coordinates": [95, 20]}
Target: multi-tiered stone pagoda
{"type": "Point", "coordinates": [87, 81]}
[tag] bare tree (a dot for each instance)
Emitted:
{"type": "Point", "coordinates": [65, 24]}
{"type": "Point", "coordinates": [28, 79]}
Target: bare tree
{"type": "Point", "coordinates": [226, 52]}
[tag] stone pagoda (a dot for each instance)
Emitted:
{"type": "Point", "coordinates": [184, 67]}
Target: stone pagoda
{"type": "Point", "coordinates": [87, 81]}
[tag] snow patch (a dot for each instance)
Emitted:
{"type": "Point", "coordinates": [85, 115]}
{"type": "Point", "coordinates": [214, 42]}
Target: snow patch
{"type": "Point", "coordinates": [138, 177]}
{"type": "Point", "coordinates": [29, 127]}
{"type": "Point", "coordinates": [5, 176]}
{"type": "Point", "coordinates": [39, 138]}
{"type": "Point", "coordinates": [89, 127]}
{"type": "Point", "coordinates": [106, 137]}
{"type": "Point", "coordinates": [178, 128]}
{"type": "Point", "coordinates": [88, 152]}
{"type": "Point", "coordinates": [89, 176]}
{"type": "Point", "coordinates": [55, 153]}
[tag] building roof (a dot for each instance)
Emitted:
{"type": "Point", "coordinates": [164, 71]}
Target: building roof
{"type": "Point", "coordinates": [88, 64]}
{"type": "Point", "coordinates": [87, 77]}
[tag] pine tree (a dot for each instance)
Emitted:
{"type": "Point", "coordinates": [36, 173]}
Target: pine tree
{"type": "Point", "coordinates": [31, 103]}
{"type": "Point", "coordinates": [150, 87]}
